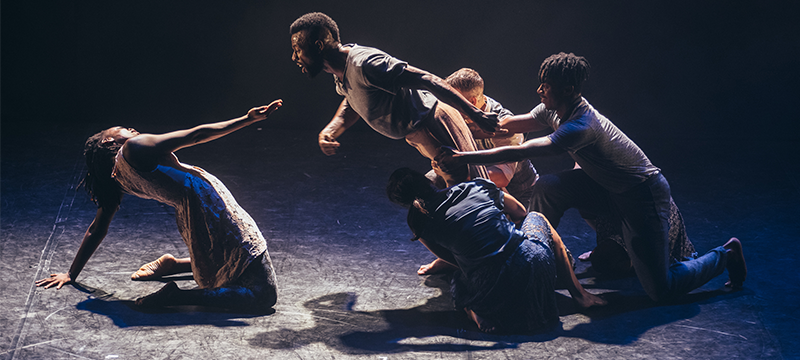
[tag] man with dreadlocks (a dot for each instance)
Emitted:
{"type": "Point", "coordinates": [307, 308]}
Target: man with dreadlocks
{"type": "Point", "coordinates": [611, 167]}
{"type": "Point", "coordinates": [394, 98]}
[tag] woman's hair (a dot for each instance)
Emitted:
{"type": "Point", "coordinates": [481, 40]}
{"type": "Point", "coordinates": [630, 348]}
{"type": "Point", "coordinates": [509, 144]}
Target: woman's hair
{"type": "Point", "coordinates": [417, 222]}
{"type": "Point", "coordinates": [102, 188]}
{"type": "Point", "coordinates": [564, 69]}
{"type": "Point", "coordinates": [409, 187]}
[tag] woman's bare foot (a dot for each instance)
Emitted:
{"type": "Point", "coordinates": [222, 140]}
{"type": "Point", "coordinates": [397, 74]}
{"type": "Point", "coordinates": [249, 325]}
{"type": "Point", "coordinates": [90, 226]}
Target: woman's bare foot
{"type": "Point", "coordinates": [436, 267]}
{"type": "Point", "coordinates": [586, 300]}
{"type": "Point", "coordinates": [156, 269]}
{"type": "Point", "coordinates": [737, 269]}
{"type": "Point", "coordinates": [159, 298]}
{"type": "Point", "coordinates": [483, 325]}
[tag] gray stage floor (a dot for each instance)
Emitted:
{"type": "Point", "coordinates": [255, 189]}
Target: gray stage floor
{"type": "Point", "coordinates": [346, 269]}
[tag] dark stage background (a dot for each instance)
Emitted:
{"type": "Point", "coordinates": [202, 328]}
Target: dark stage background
{"type": "Point", "coordinates": [688, 70]}
{"type": "Point", "coordinates": [706, 88]}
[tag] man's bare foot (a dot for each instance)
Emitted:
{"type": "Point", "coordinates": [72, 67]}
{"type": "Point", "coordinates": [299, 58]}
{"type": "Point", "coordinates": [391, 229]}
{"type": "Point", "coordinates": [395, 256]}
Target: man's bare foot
{"type": "Point", "coordinates": [586, 300]}
{"type": "Point", "coordinates": [436, 267]}
{"type": "Point", "coordinates": [483, 325]}
{"type": "Point", "coordinates": [737, 269]}
{"type": "Point", "coordinates": [585, 256]}
{"type": "Point", "coordinates": [159, 298]}
{"type": "Point", "coordinates": [156, 269]}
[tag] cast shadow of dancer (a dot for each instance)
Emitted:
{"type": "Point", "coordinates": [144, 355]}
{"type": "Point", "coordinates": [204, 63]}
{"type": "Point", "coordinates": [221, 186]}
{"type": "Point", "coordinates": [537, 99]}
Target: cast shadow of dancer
{"type": "Point", "coordinates": [124, 313]}
{"type": "Point", "coordinates": [627, 317]}
{"type": "Point", "coordinates": [393, 331]}
{"type": "Point", "coordinates": [383, 331]}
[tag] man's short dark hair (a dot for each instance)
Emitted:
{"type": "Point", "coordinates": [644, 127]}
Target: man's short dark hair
{"type": "Point", "coordinates": [564, 69]}
{"type": "Point", "coordinates": [318, 25]}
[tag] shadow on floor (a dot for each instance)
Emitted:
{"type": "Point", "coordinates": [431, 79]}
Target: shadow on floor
{"type": "Point", "coordinates": [383, 331]}
{"type": "Point", "coordinates": [124, 313]}
{"type": "Point", "coordinates": [421, 328]}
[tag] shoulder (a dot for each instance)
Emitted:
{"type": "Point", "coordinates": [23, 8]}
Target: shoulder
{"type": "Point", "coordinates": [369, 56]}
{"type": "Point", "coordinates": [482, 183]}
{"type": "Point", "coordinates": [544, 116]}
{"type": "Point", "coordinates": [140, 152]}
{"type": "Point", "coordinates": [486, 186]}
{"type": "Point", "coordinates": [497, 108]}
{"type": "Point", "coordinates": [374, 67]}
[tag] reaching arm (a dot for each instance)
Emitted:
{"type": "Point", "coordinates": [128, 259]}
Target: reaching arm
{"type": "Point", "coordinates": [522, 123]}
{"type": "Point", "coordinates": [143, 151]}
{"type": "Point", "coordinates": [541, 146]}
{"type": "Point", "coordinates": [345, 118]}
{"type": "Point", "coordinates": [416, 78]}
{"type": "Point", "coordinates": [91, 240]}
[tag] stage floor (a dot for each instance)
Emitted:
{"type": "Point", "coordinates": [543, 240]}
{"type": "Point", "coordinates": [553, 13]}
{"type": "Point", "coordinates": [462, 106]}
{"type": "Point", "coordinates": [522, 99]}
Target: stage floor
{"type": "Point", "coordinates": [346, 269]}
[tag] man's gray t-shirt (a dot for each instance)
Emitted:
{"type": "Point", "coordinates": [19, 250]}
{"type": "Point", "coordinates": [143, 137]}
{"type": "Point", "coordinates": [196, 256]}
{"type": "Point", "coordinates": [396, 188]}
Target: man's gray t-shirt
{"type": "Point", "coordinates": [603, 151]}
{"type": "Point", "coordinates": [369, 85]}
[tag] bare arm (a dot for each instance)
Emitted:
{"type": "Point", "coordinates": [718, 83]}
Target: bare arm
{"type": "Point", "coordinates": [514, 209]}
{"type": "Point", "coordinates": [143, 151]}
{"type": "Point", "coordinates": [541, 146]}
{"type": "Point", "coordinates": [91, 240]}
{"type": "Point", "coordinates": [416, 78]}
{"type": "Point", "coordinates": [440, 252]}
{"type": "Point", "coordinates": [522, 123]}
{"type": "Point", "coordinates": [344, 118]}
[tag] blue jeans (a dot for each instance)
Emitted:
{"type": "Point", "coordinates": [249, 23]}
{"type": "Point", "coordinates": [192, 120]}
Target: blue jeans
{"type": "Point", "coordinates": [644, 211]}
{"type": "Point", "coordinates": [554, 194]}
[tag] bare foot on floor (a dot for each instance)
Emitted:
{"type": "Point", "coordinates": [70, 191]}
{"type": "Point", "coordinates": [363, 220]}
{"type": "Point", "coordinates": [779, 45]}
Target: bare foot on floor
{"type": "Point", "coordinates": [483, 325]}
{"type": "Point", "coordinates": [159, 298]}
{"type": "Point", "coordinates": [587, 300]}
{"type": "Point", "coordinates": [156, 269]}
{"type": "Point", "coordinates": [436, 267]}
{"type": "Point", "coordinates": [585, 256]}
{"type": "Point", "coordinates": [737, 269]}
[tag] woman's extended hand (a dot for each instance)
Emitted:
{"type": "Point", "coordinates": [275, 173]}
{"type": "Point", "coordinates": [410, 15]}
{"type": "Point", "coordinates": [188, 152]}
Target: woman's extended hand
{"type": "Point", "coordinates": [262, 112]}
{"type": "Point", "coordinates": [57, 280]}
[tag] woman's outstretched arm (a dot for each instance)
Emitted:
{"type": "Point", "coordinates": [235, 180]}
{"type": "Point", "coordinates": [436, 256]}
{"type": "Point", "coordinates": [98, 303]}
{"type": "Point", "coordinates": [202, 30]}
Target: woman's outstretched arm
{"type": "Point", "coordinates": [565, 276]}
{"type": "Point", "coordinates": [145, 150]}
{"type": "Point", "coordinates": [91, 240]}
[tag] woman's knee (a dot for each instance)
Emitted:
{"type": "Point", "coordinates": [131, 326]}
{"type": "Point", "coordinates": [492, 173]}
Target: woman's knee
{"type": "Point", "coordinates": [266, 296]}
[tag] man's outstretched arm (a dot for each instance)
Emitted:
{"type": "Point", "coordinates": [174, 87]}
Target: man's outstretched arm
{"type": "Point", "coordinates": [416, 78]}
{"type": "Point", "coordinates": [522, 123]}
{"type": "Point", "coordinates": [541, 146]}
{"type": "Point", "coordinates": [344, 118]}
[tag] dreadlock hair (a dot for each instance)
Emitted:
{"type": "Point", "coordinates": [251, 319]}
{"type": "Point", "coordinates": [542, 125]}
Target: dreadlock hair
{"type": "Point", "coordinates": [564, 69]}
{"type": "Point", "coordinates": [319, 26]}
{"type": "Point", "coordinates": [101, 187]}
{"type": "Point", "coordinates": [466, 81]}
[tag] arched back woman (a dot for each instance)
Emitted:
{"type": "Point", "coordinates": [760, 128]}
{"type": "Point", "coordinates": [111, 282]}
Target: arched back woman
{"type": "Point", "coordinates": [228, 255]}
{"type": "Point", "coordinates": [506, 277]}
